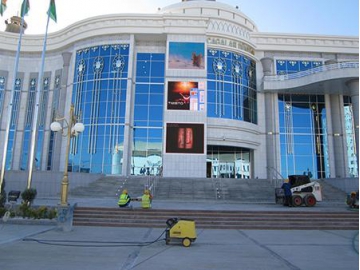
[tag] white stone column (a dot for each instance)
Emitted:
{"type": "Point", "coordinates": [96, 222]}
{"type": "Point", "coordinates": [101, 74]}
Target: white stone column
{"type": "Point", "coordinates": [129, 117]}
{"type": "Point", "coordinates": [339, 136]}
{"type": "Point", "coordinates": [330, 137]}
{"type": "Point", "coordinates": [272, 136]}
{"type": "Point", "coordinates": [271, 124]}
{"type": "Point", "coordinates": [57, 157]}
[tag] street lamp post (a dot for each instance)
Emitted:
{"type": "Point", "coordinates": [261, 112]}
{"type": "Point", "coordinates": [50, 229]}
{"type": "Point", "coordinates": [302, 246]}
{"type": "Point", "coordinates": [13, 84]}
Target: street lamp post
{"type": "Point", "coordinates": [70, 130]}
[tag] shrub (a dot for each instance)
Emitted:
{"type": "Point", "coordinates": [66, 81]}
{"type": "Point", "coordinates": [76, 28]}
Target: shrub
{"type": "Point", "coordinates": [2, 198]}
{"type": "Point", "coordinates": [25, 210]}
{"type": "Point", "coordinates": [3, 194]}
{"type": "Point", "coordinates": [52, 213]}
{"type": "Point", "coordinates": [28, 196]}
{"type": "Point", "coordinates": [2, 212]}
{"type": "Point", "coordinates": [42, 212]}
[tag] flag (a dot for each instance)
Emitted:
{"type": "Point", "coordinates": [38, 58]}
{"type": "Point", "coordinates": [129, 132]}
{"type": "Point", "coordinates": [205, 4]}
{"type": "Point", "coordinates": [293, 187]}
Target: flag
{"type": "Point", "coordinates": [25, 7]}
{"type": "Point", "coordinates": [2, 7]}
{"type": "Point", "coordinates": [52, 10]}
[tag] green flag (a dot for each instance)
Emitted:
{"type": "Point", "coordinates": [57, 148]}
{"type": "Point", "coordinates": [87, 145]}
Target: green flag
{"type": "Point", "coordinates": [52, 10]}
{"type": "Point", "coordinates": [2, 7]}
{"type": "Point", "coordinates": [25, 7]}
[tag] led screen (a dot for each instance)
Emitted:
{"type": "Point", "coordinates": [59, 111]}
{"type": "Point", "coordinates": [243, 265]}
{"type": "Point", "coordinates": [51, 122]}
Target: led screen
{"type": "Point", "coordinates": [186, 55]}
{"type": "Point", "coordinates": [184, 138]}
{"type": "Point", "coordinates": [186, 96]}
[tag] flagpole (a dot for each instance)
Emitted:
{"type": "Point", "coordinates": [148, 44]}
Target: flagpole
{"type": "Point", "coordinates": [37, 105]}
{"type": "Point", "coordinates": [10, 107]}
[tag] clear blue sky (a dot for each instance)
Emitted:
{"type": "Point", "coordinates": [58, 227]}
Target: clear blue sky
{"type": "Point", "coordinates": [324, 17]}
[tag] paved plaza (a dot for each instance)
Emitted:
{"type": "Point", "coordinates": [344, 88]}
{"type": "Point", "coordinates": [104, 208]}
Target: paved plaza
{"type": "Point", "coordinates": [43, 247]}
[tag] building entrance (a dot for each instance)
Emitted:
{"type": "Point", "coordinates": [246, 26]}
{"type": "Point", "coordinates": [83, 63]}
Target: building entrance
{"type": "Point", "coordinates": [228, 162]}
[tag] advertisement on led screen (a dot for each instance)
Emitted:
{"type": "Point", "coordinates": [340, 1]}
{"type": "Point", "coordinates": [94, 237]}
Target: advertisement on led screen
{"type": "Point", "coordinates": [186, 55]}
{"type": "Point", "coordinates": [186, 96]}
{"type": "Point", "coordinates": [184, 138]}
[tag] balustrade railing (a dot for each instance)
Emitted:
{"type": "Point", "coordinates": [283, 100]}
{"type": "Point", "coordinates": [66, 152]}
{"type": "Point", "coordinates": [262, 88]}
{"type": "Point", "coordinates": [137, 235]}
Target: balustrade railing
{"type": "Point", "coordinates": [308, 72]}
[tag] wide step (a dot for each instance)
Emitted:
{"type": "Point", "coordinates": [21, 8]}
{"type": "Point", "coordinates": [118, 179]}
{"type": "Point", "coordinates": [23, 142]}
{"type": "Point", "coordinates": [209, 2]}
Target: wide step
{"type": "Point", "coordinates": [250, 220]}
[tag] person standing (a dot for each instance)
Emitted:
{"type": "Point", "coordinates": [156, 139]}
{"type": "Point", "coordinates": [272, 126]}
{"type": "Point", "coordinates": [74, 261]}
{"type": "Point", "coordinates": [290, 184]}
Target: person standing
{"type": "Point", "coordinates": [146, 199]}
{"type": "Point", "coordinates": [124, 199]}
{"type": "Point", "coordinates": [286, 186]}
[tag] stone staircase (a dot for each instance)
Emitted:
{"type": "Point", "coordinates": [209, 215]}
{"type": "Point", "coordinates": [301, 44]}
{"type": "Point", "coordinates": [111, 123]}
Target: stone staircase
{"type": "Point", "coordinates": [110, 186]}
{"type": "Point", "coordinates": [206, 189]}
{"type": "Point", "coordinates": [195, 189]}
{"type": "Point", "coordinates": [209, 219]}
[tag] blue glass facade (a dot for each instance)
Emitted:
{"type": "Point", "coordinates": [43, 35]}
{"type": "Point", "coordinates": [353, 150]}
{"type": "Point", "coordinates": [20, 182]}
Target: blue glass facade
{"type": "Point", "coordinates": [30, 107]}
{"type": "Point", "coordinates": [99, 98]}
{"type": "Point", "coordinates": [148, 114]}
{"type": "Point", "coordinates": [100, 95]}
{"type": "Point", "coordinates": [13, 124]}
{"type": "Point", "coordinates": [28, 123]}
{"type": "Point", "coordinates": [231, 94]}
{"type": "Point", "coordinates": [303, 129]}
{"type": "Point", "coordinates": [293, 66]}
{"type": "Point", "coordinates": [303, 136]}
{"type": "Point", "coordinates": [231, 86]}
{"type": "Point", "coordinates": [302, 123]}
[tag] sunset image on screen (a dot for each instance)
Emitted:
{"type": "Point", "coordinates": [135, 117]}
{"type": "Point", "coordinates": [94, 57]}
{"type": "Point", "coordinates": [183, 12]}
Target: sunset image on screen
{"type": "Point", "coordinates": [179, 95]}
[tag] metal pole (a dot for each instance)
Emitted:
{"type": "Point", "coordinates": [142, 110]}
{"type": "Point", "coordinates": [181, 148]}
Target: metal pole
{"type": "Point", "coordinates": [65, 180]}
{"type": "Point", "coordinates": [36, 112]}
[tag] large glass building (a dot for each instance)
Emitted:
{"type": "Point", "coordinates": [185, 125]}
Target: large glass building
{"type": "Point", "coordinates": [194, 90]}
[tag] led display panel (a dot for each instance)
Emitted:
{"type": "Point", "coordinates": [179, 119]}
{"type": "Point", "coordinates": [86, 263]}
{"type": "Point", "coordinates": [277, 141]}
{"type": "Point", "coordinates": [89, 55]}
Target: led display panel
{"type": "Point", "coordinates": [186, 96]}
{"type": "Point", "coordinates": [184, 138]}
{"type": "Point", "coordinates": [186, 55]}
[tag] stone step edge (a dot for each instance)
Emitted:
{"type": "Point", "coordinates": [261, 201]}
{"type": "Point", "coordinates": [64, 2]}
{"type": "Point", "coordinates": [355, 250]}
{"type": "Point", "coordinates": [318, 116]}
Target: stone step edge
{"type": "Point", "coordinates": [236, 227]}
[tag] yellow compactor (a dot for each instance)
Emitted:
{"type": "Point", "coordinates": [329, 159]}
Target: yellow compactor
{"type": "Point", "coordinates": [180, 230]}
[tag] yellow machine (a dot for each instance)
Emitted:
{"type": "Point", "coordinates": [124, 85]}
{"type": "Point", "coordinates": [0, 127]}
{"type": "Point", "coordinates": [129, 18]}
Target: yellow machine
{"type": "Point", "coordinates": [180, 230]}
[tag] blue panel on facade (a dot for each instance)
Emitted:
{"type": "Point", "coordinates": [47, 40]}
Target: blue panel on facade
{"type": "Point", "coordinates": [303, 135]}
{"type": "Point", "coordinates": [231, 86]}
{"type": "Point", "coordinates": [148, 113]}
{"type": "Point", "coordinates": [100, 94]}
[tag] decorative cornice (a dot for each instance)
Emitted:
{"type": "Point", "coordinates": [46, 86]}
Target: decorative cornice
{"type": "Point", "coordinates": [237, 140]}
{"type": "Point", "coordinates": [229, 127]}
{"type": "Point", "coordinates": [229, 28]}
{"type": "Point", "coordinates": [309, 43]}
{"type": "Point", "coordinates": [161, 24]}
{"type": "Point", "coordinates": [109, 25]}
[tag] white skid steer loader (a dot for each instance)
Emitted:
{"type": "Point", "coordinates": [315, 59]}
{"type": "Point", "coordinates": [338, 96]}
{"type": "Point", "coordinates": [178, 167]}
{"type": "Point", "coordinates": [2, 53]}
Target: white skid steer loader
{"type": "Point", "coordinates": [303, 191]}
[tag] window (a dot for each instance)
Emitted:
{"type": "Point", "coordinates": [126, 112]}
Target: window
{"type": "Point", "coordinates": [231, 86]}
{"type": "Point", "coordinates": [148, 114]}
{"type": "Point", "coordinates": [99, 98]}
{"type": "Point", "coordinates": [303, 136]}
